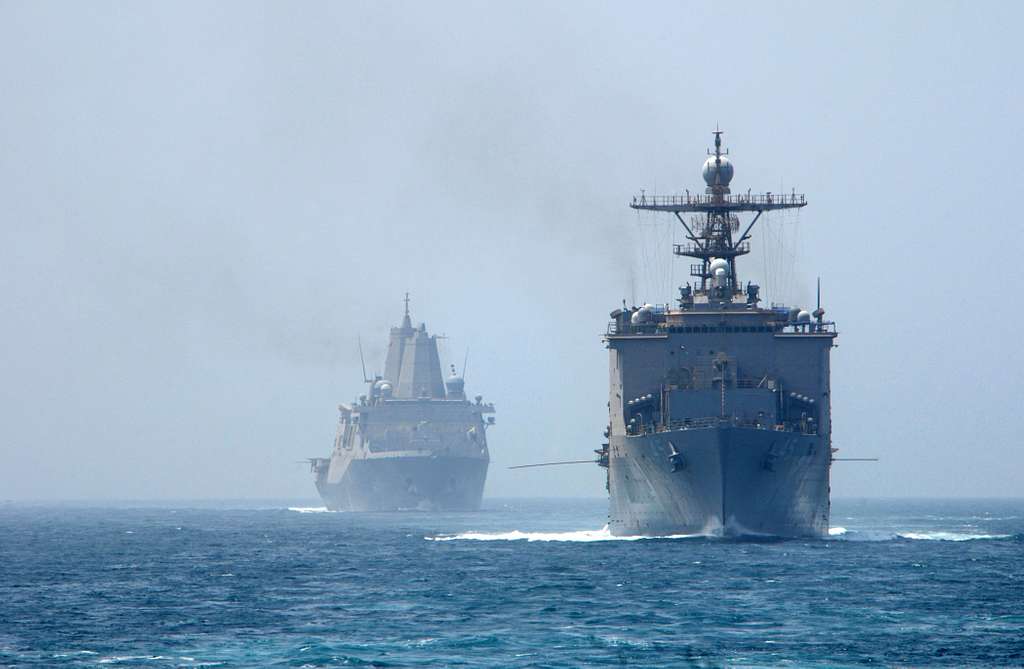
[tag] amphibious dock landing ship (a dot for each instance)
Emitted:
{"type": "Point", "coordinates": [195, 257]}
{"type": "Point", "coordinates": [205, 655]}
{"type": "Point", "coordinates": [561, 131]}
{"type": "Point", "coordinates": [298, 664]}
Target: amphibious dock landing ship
{"type": "Point", "coordinates": [720, 421]}
{"type": "Point", "coordinates": [413, 442]}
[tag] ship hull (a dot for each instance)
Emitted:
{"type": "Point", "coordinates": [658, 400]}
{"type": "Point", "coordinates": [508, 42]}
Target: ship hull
{"type": "Point", "coordinates": [725, 480]}
{"type": "Point", "coordinates": [407, 483]}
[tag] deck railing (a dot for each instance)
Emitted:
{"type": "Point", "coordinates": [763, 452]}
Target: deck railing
{"type": "Point", "coordinates": [812, 328]}
{"type": "Point", "coordinates": [704, 423]}
{"type": "Point", "coordinates": [746, 200]}
{"type": "Point", "coordinates": [700, 251]}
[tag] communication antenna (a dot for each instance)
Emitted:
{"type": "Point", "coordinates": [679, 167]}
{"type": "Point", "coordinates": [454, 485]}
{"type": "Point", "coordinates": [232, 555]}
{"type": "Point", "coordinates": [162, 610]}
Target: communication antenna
{"type": "Point", "coordinates": [362, 362]}
{"type": "Point", "coordinates": [465, 362]}
{"type": "Point", "coordinates": [819, 312]}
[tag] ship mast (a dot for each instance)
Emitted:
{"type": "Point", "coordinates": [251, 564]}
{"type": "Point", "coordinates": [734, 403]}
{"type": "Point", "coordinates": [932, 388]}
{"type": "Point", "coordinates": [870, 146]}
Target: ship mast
{"type": "Point", "coordinates": [713, 225]}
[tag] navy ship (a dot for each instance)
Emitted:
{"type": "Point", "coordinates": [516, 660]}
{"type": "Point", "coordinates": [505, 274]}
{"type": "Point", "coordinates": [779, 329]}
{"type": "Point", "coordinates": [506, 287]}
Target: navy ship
{"type": "Point", "coordinates": [414, 441]}
{"type": "Point", "coordinates": [719, 407]}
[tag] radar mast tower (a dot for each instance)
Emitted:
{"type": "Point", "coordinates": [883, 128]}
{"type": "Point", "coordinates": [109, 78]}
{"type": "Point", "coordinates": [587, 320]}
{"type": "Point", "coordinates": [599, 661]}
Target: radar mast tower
{"type": "Point", "coordinates": [713, 225]}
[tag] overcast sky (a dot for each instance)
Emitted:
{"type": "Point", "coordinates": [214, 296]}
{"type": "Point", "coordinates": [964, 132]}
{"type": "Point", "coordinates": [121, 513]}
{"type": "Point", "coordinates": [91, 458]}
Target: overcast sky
{"type": "Point", "coordinates": [203, 204]}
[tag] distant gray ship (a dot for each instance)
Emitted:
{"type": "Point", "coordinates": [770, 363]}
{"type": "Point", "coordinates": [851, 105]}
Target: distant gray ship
{"type": "Point", "coordinates": [414, 442]}
{"type": "Point", "coordinates": [720, 417]}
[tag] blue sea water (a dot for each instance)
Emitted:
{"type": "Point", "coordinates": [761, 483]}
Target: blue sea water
{"type": "Point", "coordinates": [524, 583]}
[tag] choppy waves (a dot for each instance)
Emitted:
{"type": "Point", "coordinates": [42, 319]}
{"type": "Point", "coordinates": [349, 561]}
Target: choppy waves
{"type": "Point", "coordinates": [524, 582]}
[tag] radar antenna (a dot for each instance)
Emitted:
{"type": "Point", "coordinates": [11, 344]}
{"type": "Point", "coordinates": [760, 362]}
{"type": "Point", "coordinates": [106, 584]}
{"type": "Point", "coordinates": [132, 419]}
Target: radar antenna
{"type": "Point", "coordinates": [712, 227]}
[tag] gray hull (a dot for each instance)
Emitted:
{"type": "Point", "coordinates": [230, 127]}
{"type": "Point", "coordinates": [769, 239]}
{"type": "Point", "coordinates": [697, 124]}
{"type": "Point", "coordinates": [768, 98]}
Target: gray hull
{"type": "Point", "coordinates": [400, 483]}
{"type": "Point", "coordinates": [723, 480]}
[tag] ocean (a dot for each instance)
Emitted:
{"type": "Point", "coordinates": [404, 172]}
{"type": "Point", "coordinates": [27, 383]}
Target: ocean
{"type": "Point", "coordinates": [523, 583]}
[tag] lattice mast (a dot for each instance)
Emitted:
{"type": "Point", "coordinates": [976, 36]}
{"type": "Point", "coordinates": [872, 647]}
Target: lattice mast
{"type": "Point", "coordinates": [714, 225]}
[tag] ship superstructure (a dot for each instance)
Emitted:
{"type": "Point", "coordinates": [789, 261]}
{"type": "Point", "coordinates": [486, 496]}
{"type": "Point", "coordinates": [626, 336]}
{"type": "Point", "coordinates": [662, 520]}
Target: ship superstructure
{"type": "Point", "coordinates": [414, 441]}
{"type": "Point", "coordinates": [719, 407]}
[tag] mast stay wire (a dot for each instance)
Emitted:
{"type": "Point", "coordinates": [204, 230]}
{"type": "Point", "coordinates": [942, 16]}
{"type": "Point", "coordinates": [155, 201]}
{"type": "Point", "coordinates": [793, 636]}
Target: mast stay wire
{"type": "Point", "coordinates": [780, 255]}
{"type": "Point", "coordinates": [656, 257]}
{"type": "Point", "coordinates": [656, 261]}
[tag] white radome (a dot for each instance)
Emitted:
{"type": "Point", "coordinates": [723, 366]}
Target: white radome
{"type": "Point", "coordinates": [723, 170]}
{"type": "Point", "coordinates": [642, 315]}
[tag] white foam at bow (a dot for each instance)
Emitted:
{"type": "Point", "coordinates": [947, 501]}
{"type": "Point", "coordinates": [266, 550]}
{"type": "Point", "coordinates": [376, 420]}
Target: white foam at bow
{"type": "Point", "coordinates": [310, 509]}
{"type": "Point", "coordinates": [836, 531]}
{"type": "Point", "coordinates": [581, 536]}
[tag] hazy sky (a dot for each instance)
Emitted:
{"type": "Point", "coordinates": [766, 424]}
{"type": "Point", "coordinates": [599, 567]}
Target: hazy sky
{"type": "Point", "coordinates": [203, 204]}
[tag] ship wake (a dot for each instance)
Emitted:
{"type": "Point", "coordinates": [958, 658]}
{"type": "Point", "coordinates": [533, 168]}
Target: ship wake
{"type": "Point", "coordinates": [603, 534]}
{"type": "Point", "coordinates": [949, 536]}
{"type": "Point", "coordinates": [573, 536]}
{"type": "Point", "coordinates": [919, 535]}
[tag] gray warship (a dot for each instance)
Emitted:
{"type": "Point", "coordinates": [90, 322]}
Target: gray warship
{"type": "Point", "coordinates": [414, 441]}
{"type": "Point", "coordinates": [719, 406]}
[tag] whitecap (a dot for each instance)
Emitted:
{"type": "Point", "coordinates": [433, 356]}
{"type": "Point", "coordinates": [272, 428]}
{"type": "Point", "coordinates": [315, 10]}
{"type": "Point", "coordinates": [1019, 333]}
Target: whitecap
{"type": "Point", "coordinates": [118, 659]}
{"type": "Point", "coordinates": [310, 509]}
{"type": "Point", "coordinates": [836, 531]}
{"type": "Point", "coordinates": [579, 536]}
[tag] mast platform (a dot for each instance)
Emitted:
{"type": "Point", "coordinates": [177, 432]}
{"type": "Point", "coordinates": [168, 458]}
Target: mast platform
{"type": "Point", "coordinates": [718, 251]}
{"type": "Point", "coordinates": [718, 203]}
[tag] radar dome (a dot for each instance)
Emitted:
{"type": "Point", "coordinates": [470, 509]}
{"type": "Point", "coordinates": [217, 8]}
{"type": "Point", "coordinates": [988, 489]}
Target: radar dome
{"type": "Point", "coordinates": [803, 316]}
{"type": "Point", "coordinates": [642, 315]}
{"type": "Point", "coordinates": [719, 264]}
{"type": "Point", "coordinates": [719, 174]}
